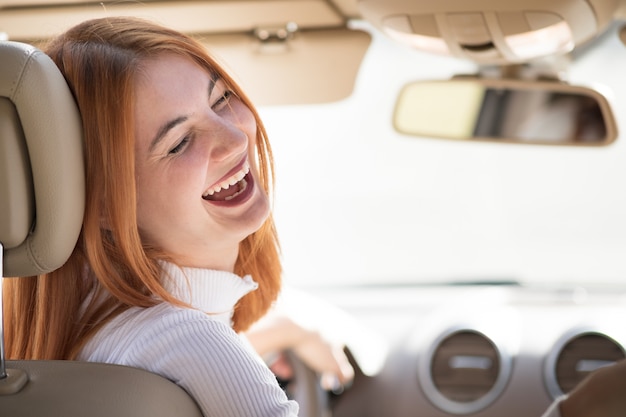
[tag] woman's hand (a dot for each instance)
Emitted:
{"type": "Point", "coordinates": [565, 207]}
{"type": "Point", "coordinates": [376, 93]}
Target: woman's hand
{"type": "Point", "coordinates": [327, 359]}
{"type": "Point", "coordinates": [276, 333]}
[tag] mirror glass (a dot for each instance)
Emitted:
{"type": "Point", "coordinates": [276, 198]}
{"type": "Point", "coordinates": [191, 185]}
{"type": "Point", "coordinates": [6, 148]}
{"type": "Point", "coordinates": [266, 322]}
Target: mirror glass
{"type": "Point", "coordinates": [512, 111]}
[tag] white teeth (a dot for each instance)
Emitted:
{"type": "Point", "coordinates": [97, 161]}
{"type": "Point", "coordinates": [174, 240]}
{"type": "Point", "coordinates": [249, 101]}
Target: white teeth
{"type": "Point", "coordinates": [244, 185]}
{"type": "Point", "coordinates": [232, 180]}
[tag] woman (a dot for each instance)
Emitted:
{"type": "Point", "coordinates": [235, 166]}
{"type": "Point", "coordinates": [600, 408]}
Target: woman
{"type": "Point", "coordinates": [178, 251]}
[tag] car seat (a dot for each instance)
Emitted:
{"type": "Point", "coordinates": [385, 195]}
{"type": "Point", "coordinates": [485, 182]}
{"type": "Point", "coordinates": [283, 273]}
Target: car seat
{"type": "Point", "coordinates": [41, 210]}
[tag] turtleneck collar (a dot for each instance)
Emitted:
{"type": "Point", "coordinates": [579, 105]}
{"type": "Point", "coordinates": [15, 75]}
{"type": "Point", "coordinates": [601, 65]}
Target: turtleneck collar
{"type": "Point", "coordinates": [213, 292]}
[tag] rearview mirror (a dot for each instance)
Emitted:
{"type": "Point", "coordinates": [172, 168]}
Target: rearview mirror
{"type": "Point", "coordinates": [513, 111]}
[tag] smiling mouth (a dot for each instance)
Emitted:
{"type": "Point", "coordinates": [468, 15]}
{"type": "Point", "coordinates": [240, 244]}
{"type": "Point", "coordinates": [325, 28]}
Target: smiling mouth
{"type": "Point", "coordinates": [230, 188]}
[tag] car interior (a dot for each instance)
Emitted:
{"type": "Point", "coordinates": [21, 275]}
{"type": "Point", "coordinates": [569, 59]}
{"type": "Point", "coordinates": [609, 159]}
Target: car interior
{"type": "Point", "coordinates": [448, 194]}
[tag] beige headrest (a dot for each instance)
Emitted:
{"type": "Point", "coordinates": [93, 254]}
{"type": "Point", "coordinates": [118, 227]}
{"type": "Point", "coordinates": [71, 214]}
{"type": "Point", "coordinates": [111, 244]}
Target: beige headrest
{"type": "Point", "coordinates": [42, 184]}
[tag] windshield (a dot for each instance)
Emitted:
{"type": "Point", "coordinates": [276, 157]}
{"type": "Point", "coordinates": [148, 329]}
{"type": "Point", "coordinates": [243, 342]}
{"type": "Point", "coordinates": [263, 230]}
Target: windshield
{"type": "Point", "coordinates": [357, 203]}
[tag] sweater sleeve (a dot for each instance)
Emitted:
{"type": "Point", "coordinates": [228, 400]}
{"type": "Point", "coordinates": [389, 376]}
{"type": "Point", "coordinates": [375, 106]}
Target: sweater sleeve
{"type": "Point", "coordinates": [213, 364]}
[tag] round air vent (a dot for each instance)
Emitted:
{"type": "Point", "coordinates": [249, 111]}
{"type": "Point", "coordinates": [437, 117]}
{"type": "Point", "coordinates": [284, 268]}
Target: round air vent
{"type": "Point", "coordinates": [465, 366]}
{"type": "Point", "coordinates": [467, 372]}
{"type": "Point", "coordinates": [576, 356]}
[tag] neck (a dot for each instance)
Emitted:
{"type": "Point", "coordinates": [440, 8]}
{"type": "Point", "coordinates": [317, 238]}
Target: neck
{"type": "Point", "coordinates": [218, 260]}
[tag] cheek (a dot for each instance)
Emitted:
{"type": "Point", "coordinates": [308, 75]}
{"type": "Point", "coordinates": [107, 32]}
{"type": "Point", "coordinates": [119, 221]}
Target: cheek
{"type": "Point", "coordinates": [158, 191]}
{"type": "Point", "coordinates": [162, 186]}
{"type": "Point", "coordinates": [179, 177]}
{"type": "Point", "coordinates": [242, 117]}
{"type": "Point", "coordinates": [250, 128]}
{"type": "Point", "coordinates": [146, 200]}
{"type": "Point", "coordinates": [245, 120]}
{"type": "Point", "coordinates": [165, 203]}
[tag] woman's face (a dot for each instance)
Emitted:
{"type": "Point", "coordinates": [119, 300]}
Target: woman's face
{"type": "Point", "coordinates": [198, 191]}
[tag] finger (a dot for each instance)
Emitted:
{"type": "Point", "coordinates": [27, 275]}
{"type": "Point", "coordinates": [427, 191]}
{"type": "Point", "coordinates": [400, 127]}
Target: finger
{"type": "Point", "coordinates": [346, 371]}
{"type": "Point", "coordinates": [330, 382]}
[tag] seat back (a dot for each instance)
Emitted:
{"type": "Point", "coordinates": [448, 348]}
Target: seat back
{"type": "Point", "coordinates": [85, 389]}
{"type": "Point", "coordinates": [42, 194]}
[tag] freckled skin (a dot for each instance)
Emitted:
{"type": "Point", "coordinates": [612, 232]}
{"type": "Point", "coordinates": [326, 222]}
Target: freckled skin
{"type": "Point", "coordinates": [216, 135]}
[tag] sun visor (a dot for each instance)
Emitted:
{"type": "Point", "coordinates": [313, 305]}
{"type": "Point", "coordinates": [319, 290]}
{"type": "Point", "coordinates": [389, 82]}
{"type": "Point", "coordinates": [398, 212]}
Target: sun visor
{"type": "Point", "coordinates": [28, 20]}
{"type": "Point", "coordinates": [282, 51]}
{"type": "Point", "coordinates": [307, 67]}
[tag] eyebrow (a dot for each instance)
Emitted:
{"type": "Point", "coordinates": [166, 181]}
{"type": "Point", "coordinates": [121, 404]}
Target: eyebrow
{"type": "Point", "coordinates": [175, 122]}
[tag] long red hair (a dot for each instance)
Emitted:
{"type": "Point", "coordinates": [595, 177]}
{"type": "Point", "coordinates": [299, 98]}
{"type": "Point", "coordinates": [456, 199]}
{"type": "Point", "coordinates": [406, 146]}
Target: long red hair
{"type": "Point", "coordinates": [51, 316]}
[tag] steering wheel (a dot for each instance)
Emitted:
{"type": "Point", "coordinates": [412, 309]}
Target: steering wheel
{"type": "Point", "coordinates": [304, 388]}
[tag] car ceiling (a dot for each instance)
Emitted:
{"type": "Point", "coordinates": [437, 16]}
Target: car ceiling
{"type": "Point", "coordinates": [318, 63]}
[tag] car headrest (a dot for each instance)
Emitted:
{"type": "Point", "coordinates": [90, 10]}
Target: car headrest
{"type": "Point", "coordinates": [42, 184]}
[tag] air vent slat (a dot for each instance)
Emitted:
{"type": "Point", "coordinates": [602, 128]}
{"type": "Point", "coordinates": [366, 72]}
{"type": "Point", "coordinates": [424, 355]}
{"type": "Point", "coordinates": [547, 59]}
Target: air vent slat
{"type": "Point", "coordinates": [581, 355]}
{"type": "Point", "coordinates": [465, 366]}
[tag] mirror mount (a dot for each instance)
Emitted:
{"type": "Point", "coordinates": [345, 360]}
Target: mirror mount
{"type": "Point", "coordinates": [552, 68]}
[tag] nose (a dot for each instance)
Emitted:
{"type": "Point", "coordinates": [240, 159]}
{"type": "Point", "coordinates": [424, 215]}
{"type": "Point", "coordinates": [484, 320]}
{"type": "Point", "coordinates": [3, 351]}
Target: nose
{"type": "Point", "coordinates": [226, 140]}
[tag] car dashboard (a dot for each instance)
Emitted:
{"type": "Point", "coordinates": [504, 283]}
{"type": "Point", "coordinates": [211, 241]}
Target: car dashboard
{"type": "Point", "coordinates": [481, 350]}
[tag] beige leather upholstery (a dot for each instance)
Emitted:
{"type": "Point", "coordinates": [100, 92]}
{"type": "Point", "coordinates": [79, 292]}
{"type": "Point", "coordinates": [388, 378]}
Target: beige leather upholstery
{"type": "Point", "coordinates": [72, 389]}
{"type": "Point", "coordinates": [41, 211]}
{"type": "Point", "coordinates": [41, 163]}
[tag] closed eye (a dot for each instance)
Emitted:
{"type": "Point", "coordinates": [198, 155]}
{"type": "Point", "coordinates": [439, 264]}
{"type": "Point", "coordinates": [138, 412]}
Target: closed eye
{"type": "Point", "coordinates": [180, 146]}
{"type": "Point", "coordinates": [222, 100]}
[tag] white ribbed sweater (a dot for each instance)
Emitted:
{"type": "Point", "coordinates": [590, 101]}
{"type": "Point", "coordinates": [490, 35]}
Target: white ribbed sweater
{"type": "Point", "coordinates": [196, 348]}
